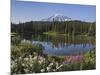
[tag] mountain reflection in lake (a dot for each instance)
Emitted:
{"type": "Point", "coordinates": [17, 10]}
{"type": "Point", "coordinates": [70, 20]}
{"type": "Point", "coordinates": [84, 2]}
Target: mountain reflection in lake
{"type": "Point", "coordinates": [64, 45]}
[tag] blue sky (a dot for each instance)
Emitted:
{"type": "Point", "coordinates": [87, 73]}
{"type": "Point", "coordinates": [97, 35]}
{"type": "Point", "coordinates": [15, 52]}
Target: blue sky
{"type": "Point", "coordinates": [33, 11]}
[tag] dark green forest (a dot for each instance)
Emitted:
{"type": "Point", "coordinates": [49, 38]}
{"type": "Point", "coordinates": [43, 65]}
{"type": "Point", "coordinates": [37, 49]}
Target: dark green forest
{"type": "Point", "coordinates": [65, 27]}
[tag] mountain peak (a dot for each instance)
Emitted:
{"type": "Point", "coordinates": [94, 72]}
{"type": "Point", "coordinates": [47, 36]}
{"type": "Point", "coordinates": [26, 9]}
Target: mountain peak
{"type": "Point", "coordinates": [57, 17]}
{"type": "Point", "coordinates": [58, 14]}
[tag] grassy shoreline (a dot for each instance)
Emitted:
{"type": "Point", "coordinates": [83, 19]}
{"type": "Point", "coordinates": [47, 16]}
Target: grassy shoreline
{"type": "Point", "coordinates": [63, 34]}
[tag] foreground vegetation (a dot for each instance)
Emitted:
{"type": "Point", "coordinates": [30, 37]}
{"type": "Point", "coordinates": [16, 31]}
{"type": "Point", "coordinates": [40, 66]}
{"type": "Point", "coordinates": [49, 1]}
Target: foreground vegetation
{"type": "Point", "coordinates": [28, 58]}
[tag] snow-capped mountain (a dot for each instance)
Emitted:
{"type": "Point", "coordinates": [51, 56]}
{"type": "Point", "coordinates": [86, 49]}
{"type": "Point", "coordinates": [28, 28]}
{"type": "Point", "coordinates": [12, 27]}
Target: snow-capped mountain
{"type": "Point", "coordinates": [57, 17]}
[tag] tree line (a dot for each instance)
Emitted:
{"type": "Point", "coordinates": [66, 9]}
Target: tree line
{"type": "Point", "coordinates": [68, 27]}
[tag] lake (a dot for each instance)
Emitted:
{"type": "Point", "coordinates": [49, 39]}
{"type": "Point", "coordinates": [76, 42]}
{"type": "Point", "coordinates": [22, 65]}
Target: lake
{"type": "Point", "coordinates": [64, 45]}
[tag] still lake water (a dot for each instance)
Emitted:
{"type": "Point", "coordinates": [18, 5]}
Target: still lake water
{"type": "Point", "coordinates": [64, 45]}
